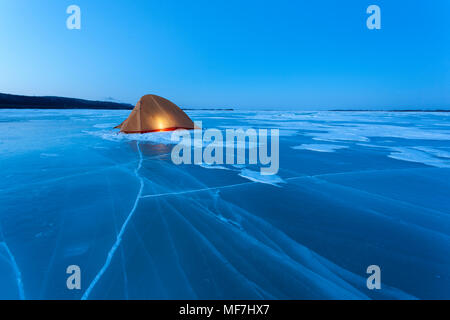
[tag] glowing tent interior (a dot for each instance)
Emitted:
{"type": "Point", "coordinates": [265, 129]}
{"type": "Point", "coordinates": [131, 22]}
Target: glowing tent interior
{"type": "Point", "coordinates": [152, 114]}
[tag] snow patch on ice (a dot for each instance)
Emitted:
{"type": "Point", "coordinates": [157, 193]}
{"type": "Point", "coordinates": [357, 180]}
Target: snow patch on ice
{"type": "Point", "coordinates": [414, 155]}
{"type": "Point", "coordinates": [434, 152]}
{"type": "Point", "coordinates": [320, 147]}
{"type": "Point", "coordinates": [209, 166]}
{"type": "Point", "coordinates": [166, 138]}
{"type": "Point", "coordinates": [152, 137]}
{"type": "Point", "coordinates": [339, 134]}
{"type": "Point", "coordinates": [350, 126]}
{"type": "Point", "coordinates": [105, 125]}
{"type": "Point", "coordinates": [255, 176]}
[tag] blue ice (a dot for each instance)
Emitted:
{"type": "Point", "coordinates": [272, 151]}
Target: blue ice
{"type": "Point", "coordinates": [354, 189]}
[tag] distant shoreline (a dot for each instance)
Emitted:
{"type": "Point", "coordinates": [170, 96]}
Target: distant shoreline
{"type": "Point", "coordinates": [11, 101]}
{"type": "Point", "coordinates": [20, 102]}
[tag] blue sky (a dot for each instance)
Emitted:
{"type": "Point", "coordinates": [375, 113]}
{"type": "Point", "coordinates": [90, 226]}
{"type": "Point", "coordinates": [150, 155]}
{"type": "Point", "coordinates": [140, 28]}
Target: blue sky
{"type": "Point", "coordinates": [243, 54]}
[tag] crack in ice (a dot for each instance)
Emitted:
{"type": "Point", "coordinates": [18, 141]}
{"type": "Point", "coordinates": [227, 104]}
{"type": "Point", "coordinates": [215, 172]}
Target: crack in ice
{"type": "Point", "coordinates": [139, 196]}
{"type": "Point", "coordinates": [16, 271]}
{"type": "Point", "coordinates": [122, 230]}
{"type": "Point", "coordinates": [196, 190]}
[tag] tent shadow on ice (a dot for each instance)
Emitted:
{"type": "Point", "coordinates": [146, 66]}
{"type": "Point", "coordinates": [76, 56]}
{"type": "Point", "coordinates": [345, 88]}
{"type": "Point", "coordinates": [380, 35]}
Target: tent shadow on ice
{"type": "Point", "coordinates": [154, 114]}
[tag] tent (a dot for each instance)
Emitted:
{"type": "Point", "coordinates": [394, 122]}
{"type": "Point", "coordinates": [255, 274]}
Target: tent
{"type": "Point", "coordinates": [152, 114]}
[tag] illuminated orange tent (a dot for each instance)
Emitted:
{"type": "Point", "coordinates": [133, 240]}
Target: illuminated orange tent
{"type": "Point", "coordinates": [153, 113]}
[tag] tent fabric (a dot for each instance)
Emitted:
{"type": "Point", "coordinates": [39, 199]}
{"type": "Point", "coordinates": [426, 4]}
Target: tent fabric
{"type": "Point", "coordinates": [153, 113]}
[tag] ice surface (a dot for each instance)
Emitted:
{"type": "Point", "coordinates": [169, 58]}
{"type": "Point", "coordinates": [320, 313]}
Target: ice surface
{"type": "Point", "coordinates": [320, 147]}
{"type": "Point", "coordinates": [354, 189]}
